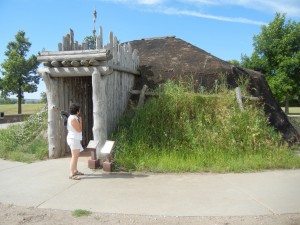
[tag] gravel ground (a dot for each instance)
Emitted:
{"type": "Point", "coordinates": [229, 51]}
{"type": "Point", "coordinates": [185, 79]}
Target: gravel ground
{"type": "Point", "coordinates": [16, 215]}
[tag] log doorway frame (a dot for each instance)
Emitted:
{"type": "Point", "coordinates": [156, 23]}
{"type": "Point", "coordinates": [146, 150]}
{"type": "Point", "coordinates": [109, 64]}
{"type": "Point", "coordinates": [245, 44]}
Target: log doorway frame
{"type": "Point", "coordinates": [82, 94]}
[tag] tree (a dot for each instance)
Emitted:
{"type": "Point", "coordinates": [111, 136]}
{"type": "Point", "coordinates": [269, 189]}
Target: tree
{"type": "Point", "coordinates": [277, 55]}
{"type": "Point", "coordinates": [91, 42]}
{"type": "Point", "coordinates": [234, 62]}
{"type": "Point", "coordinates": [8, 101]}
{"type": "Point", "coordinates": [43, 97]}
{"type": "Point", "coordinates": [19, 73]}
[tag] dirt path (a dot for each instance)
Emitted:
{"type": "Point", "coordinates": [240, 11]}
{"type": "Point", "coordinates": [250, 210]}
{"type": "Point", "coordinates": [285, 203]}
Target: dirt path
{"type": "Point", "coordinates": [15, 215]}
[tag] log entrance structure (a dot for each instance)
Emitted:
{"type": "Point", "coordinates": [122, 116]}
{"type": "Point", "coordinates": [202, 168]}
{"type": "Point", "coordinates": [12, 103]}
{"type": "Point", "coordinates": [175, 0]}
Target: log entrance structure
{"type": "Point", "coordinates": [99, 80]}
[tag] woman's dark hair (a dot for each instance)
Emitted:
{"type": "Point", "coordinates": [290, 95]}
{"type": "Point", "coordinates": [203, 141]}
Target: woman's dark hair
{"type": "Point", "coordinates": [74, 108]}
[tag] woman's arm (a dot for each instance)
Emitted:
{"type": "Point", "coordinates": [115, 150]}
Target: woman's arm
{"type": "Point", "coordinates": [77, 124]}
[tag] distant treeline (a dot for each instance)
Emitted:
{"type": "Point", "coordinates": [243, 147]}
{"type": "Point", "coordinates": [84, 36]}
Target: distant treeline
{"type": "Point", "coordinates": [15, 101]}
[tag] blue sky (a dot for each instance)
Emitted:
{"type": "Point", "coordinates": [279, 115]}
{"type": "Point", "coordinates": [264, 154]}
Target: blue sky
{"type": "Point", "coordinates": [224, 28]}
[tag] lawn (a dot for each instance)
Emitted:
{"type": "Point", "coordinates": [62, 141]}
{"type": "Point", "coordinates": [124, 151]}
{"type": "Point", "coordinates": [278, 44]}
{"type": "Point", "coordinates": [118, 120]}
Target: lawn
{"type": "Point", "coordinates": [10, 109]}
{"type": "Point", "coordinates": [293, 110]}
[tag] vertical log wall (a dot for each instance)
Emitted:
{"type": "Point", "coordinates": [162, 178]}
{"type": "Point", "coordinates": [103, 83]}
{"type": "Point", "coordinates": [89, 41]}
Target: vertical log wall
{"type": "Point", "coordinates": [119, 83]}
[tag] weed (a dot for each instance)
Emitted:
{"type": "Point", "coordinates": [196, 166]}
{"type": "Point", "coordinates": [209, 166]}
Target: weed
{"type": "Point", "coordinates": [81, 212]}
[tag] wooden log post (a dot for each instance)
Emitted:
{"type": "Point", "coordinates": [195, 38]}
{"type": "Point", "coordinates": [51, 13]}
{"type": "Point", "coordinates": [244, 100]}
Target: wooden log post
{"type": "Point", "coordinates": [99, 109]}
{"type": "Point", "coordinates": [54, 146]}
{"type": "Point", "coordinates": [99, 40]}
{"type": "Point", "coordinates": [238, 95]}
{"type": "Point", "coordinates": [142, 96]}
{"type": "Point", "coordinates": [64, 44]}
{"type": "Point", "coordinates": [59, 46]}
{"type": "Point", "coordinates": [71, 40]}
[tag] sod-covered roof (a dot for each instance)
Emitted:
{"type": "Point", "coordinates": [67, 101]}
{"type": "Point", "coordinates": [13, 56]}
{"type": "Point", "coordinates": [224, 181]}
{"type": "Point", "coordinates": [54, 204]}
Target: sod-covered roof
{"type": "Point", "coordinates": [166, 58]}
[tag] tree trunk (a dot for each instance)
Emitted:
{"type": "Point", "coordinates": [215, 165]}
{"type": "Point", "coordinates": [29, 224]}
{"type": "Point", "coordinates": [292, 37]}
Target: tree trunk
{"type": "Point", "coordinates": [20, 97]}
{"type": "Point", "coordinates": [19, 105]}
{"type": "Point", "coordinates": [286, 108]}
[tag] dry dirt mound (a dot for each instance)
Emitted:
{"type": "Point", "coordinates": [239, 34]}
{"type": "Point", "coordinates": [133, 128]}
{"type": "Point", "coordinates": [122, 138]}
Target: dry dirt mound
{"type": "Point", "coordinates": [166, 58]}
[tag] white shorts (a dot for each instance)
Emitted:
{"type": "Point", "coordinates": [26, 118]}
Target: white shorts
{"type": "Point", "coordinates": [74, 144]}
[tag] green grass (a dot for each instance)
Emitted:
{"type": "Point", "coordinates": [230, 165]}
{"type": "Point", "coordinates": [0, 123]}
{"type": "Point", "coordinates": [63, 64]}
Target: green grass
{"type": "Point", "coordinates": [81, 212]}
{"type": "Point", "coordinates": [10, 109]}
{"type": "Point", "coordinates": [182, 131]}
{"type": "Point", "coordinates": [23, 142]}
{"type": "Point", "coordinates": [293, 110]}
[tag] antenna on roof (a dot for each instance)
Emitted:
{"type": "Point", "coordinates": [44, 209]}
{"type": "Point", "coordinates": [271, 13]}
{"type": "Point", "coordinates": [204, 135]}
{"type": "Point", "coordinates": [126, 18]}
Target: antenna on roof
{"type": "Point", "coordinates": [94, 30]}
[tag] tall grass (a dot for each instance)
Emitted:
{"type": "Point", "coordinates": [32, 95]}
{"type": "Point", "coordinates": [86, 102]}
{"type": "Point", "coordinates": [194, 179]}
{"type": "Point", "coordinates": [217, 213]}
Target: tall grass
{"type": "Point", "coordinates": [22, 142]}
{"type": "Point", "coordinates": [183, 131]}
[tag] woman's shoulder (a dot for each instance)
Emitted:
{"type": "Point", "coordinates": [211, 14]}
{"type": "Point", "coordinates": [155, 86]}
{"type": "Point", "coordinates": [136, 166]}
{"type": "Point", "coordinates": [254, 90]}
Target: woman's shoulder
{"type": "Point", "coordinates": [72, 117]}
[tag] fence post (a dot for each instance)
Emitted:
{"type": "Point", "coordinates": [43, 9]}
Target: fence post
{"type": "Point", "coordinates": [238, 95]}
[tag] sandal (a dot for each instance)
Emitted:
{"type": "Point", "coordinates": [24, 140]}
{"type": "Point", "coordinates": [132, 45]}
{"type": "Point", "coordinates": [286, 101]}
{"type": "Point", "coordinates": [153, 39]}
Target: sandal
{"type": "Point", "coordinates": [74, 177]}
{"type": "Point", "coordinates": [78, 173]}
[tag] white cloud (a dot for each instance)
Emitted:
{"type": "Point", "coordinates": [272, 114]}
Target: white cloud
{"type": "Point", "coordinates": [172, 11]}
{"type": "Point", "coordinates": [201, 2]}
{"type": "Point", "coordinates": [291, 7]}
{"type": "Point", "coordinates": [133, 2]}
{"type": "Point", "coordinates": [150, 2]}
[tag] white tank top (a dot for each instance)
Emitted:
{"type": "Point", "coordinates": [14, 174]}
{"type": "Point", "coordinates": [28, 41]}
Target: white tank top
{"type": "Point", "coordinates": [72, 133]}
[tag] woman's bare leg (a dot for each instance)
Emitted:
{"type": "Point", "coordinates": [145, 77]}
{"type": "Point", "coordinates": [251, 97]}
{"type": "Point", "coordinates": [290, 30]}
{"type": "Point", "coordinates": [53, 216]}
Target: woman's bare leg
{"type": "Point", "coordinates": [73, 162]}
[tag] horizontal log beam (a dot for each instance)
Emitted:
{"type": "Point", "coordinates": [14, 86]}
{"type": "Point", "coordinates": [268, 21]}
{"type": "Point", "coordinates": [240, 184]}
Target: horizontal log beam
{"type": "Point", "coordinates": [126, 70]}
{"type": "Point", "coordinates": [251, 98]}
{"type": "Point", "coordinates": [75, 71]}
{"type": "Point", "coordinates": [99, 56]}
{"type": "Point", "coordinates": [137, 92]}
{"type": "Point", "coordinates": [75, 52]}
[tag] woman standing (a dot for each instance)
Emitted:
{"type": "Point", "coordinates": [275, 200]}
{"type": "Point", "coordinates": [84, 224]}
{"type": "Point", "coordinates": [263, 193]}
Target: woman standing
{"type": "Point", "coordinates": [74, 138]}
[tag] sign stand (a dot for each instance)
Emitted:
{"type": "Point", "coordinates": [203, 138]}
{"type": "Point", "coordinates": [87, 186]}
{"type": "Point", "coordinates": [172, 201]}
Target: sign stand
{"type": "Point", "coordinates": [93, 163]}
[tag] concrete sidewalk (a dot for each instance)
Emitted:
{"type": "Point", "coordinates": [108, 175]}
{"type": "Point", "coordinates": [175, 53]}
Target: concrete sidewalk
{"type": "Point", "coordinates": [45, 184]}
{"type": "Point", "coordinates": [6, 125]}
